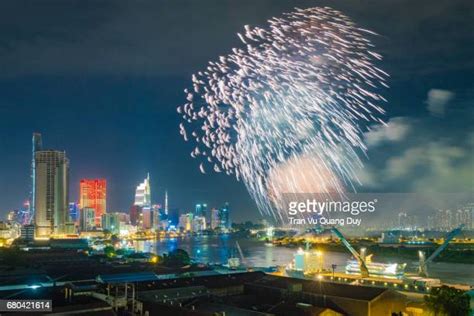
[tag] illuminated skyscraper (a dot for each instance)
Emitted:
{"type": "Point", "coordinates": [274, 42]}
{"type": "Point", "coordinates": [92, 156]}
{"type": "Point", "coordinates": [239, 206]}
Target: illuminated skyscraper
{"type": "Point", "coordinates": [25, 213]}
{"type": "Point", "coordinates": [87, 219]}
{"type": "Point", "coordinates": [215, 218]}
{"type": "Point", "coordinates": [224, 216]}
{"type": "Point", "coordinates": [199, 223]}
{"type": "Point", "coordinates": [148, 218]}
{"type": "Point", "coordinates": [37, 145]}
{"type": "Point", "coordinates": [74, 212]}
{"type": "Point", "coordinates": [143, 193]}
{"type": "Point", "coordinates": [111, 222]}
{"type": "Point", "coordinates": [166, 202]}
{"type": "Point", "coordinates": [185, 221]}
{"type": "Point", "coordinates": [93, 194]}
{"type": "Point", "coordinates": [143, 202]}
{"type": "Point", "coordinates": [201, 210]}
{"type": "Point", "coordinates": [51, 192]}
{"type": "Point", "coordinates": [135, 214]}
{"type": "Point", "coordinates": [162, 214]}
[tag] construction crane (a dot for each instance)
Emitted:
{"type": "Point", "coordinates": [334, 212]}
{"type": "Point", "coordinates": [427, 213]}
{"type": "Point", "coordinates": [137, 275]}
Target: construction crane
{"type": "Point", "coordinates": [422, 268]}
{"type": "Point", "coordinates": [241, 253]}
{"type": "Point", "coordinates": [363, 268]}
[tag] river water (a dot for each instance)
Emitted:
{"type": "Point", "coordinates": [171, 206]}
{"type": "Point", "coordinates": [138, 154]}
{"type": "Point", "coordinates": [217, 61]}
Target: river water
{"type": "Point", "coordinates": [217, 249]}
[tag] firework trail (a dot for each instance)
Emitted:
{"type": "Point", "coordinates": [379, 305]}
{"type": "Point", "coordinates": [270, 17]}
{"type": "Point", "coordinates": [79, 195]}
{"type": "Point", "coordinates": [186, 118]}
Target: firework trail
{"type": "Point", "coordinates": [287, 111]}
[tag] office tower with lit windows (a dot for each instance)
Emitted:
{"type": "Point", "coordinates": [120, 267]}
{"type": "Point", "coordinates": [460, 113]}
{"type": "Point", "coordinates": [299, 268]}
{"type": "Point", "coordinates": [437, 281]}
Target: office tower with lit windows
{"type": "Point", "coordinates": [157, 212]}
{"type": "Point", "coordinates": [198, 223]}
{"type": "Point", "coordinates": [111, 222]}
{"type": "Point", "coordinates": [148, 220]}
{"type": "Point", "coordinates": [123, 217]}
{"type": "Point", "coordinates": [25, 213]}
{"type": "Point", "coordinates": [143, 193]}
{"type": "Point", "coordinates": [74, 212]}
{"type": "Point", "coordinates": [93, 194]}
{"type": "Point", "coordinates": [27, 232]}
{"type": "Point", "coordinates": [87, 219]}
{"type": "Point", "coordinates": [51, 193]}
{"type": "Point", "coordinates": [143, 203]}
{"type": "Point", "coordinates": [201, 210]}
{"type": "Point", "coordinates": [215, 218]}
{"type": "Point", "coordinates": [135, 214]}
{"type": "Point", "coordinates": [402, 220]}
{"type": "Point", "coordinates": [185, 222]}
{"type": "Point", "coordinates": [224, 216]}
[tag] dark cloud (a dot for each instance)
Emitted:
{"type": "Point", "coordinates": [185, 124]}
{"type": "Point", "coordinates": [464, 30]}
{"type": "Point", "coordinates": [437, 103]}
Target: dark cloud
{"type": "Point", "coordinates": [425, 154]}
{"type": "Point", "coordinates": [172, 37]}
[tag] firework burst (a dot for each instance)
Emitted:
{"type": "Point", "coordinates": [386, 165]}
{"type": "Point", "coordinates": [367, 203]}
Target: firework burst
{"type": "Point", "coordinates": [286, 112]}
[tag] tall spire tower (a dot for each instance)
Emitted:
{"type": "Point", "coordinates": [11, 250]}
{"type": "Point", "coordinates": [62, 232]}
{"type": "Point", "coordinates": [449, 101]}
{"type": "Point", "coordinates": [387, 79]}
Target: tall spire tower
{"type": "Point", "coordinates": [37, 145]}
{"type": "Point", "coordinates": [166, 202]}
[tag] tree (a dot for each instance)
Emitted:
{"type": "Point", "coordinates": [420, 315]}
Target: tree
{"type": "Point", "coordinates": [109, 251]}
{"type": "Point", "coordinates": [448, 301]}
{"type": "Point", "coordinates": [177, 257]}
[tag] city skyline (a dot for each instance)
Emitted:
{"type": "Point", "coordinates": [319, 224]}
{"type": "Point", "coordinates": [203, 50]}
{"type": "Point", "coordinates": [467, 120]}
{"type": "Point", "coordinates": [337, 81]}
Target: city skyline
{"type": "Point", "coordinates": [129, 108]}
{"type": "Point", "coordinates": [271, 157]}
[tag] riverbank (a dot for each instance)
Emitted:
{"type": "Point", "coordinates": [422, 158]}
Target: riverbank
{"type": "Point", "coordinates": [463, 253]}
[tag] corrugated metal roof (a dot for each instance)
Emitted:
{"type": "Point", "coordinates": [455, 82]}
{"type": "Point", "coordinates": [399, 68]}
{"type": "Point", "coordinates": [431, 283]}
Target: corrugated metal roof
{"type": "Point", "coordinates": [364, 293]}
{"type": "Point", "coordinates": [127, 277]}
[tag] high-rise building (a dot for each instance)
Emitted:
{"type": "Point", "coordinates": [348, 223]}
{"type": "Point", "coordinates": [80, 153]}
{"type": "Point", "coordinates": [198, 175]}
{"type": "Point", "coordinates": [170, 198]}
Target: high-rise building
{"type": "Point", "coordinates": [28, 232]}
{"type": "Point", "coordinates": [25, 213]}
{"type": "Point", "coordinates": [148, 218]}
{"type": "Point", "coordinates": [402, 220]}
{"type": "Point", "coordinates": [87, 219]}
{"type": "Point", "coordinates": [12, 216]}
{"type": "Point", "coordinates": [157, 215]}
{"type": "Point", "coordinates": [163, 224]}
{"type": "Point", "coordinates": [201, 210]}
{"type": "Point", "coordinates": [70, 228]}
{"type": "Point", "coordinates": [51, 192]}
{"type": "Point", "coordinates": [185, 221]}
{"type": "Point", "coordinates": [198, 223]}
{"type": "Point", "coordinates": [93, 194]}
{"type": "Point", "coordinates": [143, 203]}
{"type": "Point", "coordinates": [445, 220]}
{"type": "Point", "coordinates": [111, 222]}
{"type": "Point", "coordinates": [431, 222]}
{"type": "Point", "coordinates": [215, 218]}
{"type": "Point", "coordinates": [143, 193]}
{"type": "Point", "coordinates": [74, 212]}
{"type": "Point", "coordinates": [407, 221]}
{"type": "Point", "coordinates": [37, 145]}
{"type": "Point", "coordinates": [135, 214]}
{"type": "Point", "coordinates": [166, 203]}
{"type": "Point", "coordinates": [224, 216]}
{"type": "Point", "coordinates": [123, 217]}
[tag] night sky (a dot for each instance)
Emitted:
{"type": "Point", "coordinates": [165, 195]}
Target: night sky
{"type": "Point", "coordinates": [102, 80]}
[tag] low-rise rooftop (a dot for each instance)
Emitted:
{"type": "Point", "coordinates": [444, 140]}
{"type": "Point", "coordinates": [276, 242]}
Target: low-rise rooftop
{"type": "Point", "coordinates": [364, 293]}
